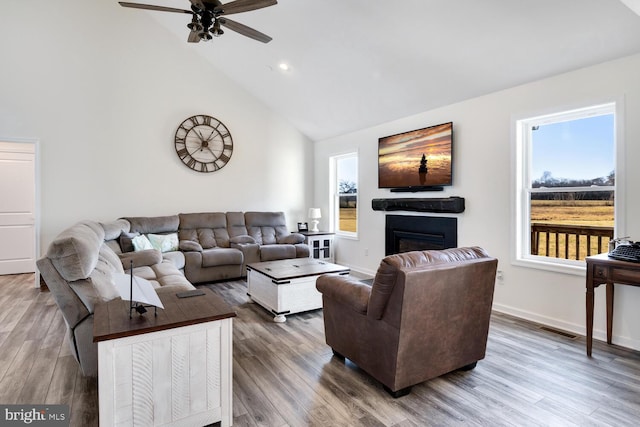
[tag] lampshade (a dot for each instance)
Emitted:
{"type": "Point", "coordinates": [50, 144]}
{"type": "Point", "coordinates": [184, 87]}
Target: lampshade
{"type": "Point", "coordinates": [315, 213]}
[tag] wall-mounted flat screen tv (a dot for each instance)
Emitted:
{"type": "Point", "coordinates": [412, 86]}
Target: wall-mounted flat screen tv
{"type": "Point", "coordinates": [416, 160]}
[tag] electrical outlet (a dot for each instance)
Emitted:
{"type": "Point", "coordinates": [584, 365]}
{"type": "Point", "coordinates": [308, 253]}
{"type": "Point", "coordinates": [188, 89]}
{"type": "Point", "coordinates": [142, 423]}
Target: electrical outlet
{"type": "Point", "coordinates": [500, 277]}
{"type": "Point", "coordinates": [366, 251]}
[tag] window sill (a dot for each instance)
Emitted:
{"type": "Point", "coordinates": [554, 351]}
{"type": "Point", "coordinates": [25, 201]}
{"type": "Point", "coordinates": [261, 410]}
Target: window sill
{"type": "Point", "coordinates": [575, 268]}
{"type": "Point", "coordinates": [349, 236]}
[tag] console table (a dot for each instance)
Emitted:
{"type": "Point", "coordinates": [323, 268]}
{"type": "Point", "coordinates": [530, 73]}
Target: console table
{"type": "Point", "coordinates": [171, 369]}
{"type": "Point", "coordinates": [604, 270]}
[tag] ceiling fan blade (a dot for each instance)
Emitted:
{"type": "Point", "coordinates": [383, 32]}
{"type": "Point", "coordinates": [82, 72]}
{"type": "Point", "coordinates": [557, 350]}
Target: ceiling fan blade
{"type": "Point", "coordinates": [153, 7]}
{"type": "Point", "coordinates": [239, 6]}
{"type": "Point", "coordinates": [244, 30]}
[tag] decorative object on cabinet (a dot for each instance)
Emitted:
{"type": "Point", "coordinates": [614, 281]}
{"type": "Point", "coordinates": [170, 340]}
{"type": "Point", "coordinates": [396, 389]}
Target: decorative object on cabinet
{"type": "Point", "coordinates": [314, 214]}
{"type": "Point", "coordinates": [203, 143]}
{"type": "Point", "coordinates": [303, 226]}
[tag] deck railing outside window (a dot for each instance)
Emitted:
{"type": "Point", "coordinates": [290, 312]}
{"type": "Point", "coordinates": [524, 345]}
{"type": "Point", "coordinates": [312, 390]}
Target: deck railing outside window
{"type": "Point", "coordinates": [569, 241]}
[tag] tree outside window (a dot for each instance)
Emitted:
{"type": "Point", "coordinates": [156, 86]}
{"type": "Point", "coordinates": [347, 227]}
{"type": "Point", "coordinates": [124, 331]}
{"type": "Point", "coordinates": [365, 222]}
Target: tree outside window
{"type": "Point", "coordinates": [346, 204]}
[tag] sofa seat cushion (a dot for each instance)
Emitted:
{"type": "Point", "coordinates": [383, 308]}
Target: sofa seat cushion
{"type": "Point", "coordinates": [146, 272]}
{"type": "Point", "coordinates": [291, 239]}
{"type": "Point", "coordinates": [163, 274]}
{"type": "Point", "coordinates": [174, 288]}
{"type": "Point", "coordinates": [221, 256]}
{"type": "Point", "coordinates": [277, 251]}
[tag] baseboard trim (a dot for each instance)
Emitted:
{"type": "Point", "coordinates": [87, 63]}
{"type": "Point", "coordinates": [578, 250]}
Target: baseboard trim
{"type": "Point", "coordinates": [579, 329]}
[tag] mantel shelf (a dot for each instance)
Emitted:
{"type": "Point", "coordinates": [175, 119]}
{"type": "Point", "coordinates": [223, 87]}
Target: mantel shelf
{"type": "Point", "coordinates": [435, 205]}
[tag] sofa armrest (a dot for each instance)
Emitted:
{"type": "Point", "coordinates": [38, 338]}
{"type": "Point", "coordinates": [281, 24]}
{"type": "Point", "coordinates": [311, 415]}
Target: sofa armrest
{"type": "Point", "coordinates": [189, 246]}
{"type": "Point", "coordinates": [347, 290]}
{"type": "Point", "coordinates": [147, 257]}
{"type": "Point", "coordinates": [291, 239]}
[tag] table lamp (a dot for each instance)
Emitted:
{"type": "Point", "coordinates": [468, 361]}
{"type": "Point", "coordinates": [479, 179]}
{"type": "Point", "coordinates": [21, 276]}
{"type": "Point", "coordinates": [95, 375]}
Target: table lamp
{"type": "Point", "coordinates": [314, 215]}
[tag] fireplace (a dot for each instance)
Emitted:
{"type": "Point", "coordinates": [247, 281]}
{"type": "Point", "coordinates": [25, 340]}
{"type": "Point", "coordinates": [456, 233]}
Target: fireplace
{"type": "Point", "coordinates": [404, 233]}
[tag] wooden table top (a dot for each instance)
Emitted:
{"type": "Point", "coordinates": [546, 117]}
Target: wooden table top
{"type": "Point", "coordinates": [295, 268]}
{"type": "Point", "coordinates": [604, 258]}
{"type": "Point", "coordinates": [111, 319]}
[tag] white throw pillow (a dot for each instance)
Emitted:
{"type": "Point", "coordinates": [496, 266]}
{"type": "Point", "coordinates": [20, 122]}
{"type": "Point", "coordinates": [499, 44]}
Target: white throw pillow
{"type": "Point", "coordinates": [141, 243]}
{"type": "Point", "coordinates": [164, 242]}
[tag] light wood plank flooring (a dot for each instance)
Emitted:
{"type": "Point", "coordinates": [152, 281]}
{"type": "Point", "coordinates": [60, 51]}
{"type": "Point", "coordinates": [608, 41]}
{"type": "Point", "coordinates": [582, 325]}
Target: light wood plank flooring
{"type": "Point", "coordinates": [285, 375]}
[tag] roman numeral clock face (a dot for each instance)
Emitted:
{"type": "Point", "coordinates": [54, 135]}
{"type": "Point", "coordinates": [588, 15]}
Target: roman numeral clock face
{"type": "Point", "coordinates": [203, 143]}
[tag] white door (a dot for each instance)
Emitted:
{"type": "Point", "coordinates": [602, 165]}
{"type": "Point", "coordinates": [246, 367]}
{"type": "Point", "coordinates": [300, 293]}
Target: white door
{"type": "Point", "coordinates": [17, 207]}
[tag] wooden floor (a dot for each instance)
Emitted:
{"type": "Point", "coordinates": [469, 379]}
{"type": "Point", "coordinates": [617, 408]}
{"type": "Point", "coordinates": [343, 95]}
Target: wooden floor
{"type": "Point", "coordinates": [285, 375]}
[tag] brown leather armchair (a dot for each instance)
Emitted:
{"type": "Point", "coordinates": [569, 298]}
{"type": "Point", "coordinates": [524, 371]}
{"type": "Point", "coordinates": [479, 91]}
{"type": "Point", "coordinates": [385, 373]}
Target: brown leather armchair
{"type": "Point", "coordinates": [426, 313]}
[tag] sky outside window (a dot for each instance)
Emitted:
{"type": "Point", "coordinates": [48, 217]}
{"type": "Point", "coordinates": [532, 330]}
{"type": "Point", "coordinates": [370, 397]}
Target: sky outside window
{"type": "Point", "coordinates": [574, 150]}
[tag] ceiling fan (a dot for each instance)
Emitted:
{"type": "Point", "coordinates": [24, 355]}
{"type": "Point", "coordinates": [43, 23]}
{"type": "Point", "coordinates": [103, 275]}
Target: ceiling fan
{"type": "Point", "coordinates": [207, 16]}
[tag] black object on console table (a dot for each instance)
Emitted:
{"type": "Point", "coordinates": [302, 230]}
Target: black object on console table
{"type": "Point", "coordinates": [437, 205]}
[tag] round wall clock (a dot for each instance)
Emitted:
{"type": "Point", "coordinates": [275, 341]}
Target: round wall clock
{"type": "Point", "coordinates": [203, 143]}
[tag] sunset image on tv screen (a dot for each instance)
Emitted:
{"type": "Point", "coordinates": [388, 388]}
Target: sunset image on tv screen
{"type": "Point", "coordinates": [417, 158]}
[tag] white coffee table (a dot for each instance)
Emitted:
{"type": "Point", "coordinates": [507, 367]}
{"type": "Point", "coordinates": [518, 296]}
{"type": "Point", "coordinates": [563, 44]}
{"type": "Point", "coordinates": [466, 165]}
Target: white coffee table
{"type": "Point", "coordinates": [288, 286]}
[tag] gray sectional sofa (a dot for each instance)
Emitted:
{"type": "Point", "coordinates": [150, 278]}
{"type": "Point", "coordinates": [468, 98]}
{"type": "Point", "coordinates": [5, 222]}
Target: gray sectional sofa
{"type": "Point", "coordinates": [191, 248]}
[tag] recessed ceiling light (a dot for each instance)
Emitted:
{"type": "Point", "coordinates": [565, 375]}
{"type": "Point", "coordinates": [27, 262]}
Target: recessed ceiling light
{"type": "Point", "coordinates": [283, 66]}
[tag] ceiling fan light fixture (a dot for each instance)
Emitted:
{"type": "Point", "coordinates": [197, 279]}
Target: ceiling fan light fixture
{"type": "Point", "coordinates": [207, 17]}
{"type": "Point", "coordinates": [216, 30]}
{"type": "Point", "coordinates": [195, 26]}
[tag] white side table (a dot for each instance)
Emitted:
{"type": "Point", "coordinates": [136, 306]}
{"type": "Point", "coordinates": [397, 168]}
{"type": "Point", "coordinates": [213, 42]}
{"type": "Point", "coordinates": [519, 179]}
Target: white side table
{"type": "Point", "coordinates": [321, 244]}
{"type": "Point", "coordinates": [173, 369]}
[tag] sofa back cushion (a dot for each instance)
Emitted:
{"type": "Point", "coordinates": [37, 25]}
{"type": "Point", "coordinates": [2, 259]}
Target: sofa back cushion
{"type": "Point", "coordinates": [74, 252]}
{"type": "Point", "coordinates": [99, 286]}
{"type": "Point", "coordinates": [236, 225]}
{"type": "Point", "coordinates": [155, 224]}
{"type": "Point", "coordinates": [266, 227]}
{"type": "Point", "coordinates": [208, 229]}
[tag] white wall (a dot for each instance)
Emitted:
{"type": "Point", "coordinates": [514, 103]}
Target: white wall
{"type": "Point", "coordinates": [104, 89]}
{"type": "Point", "coordinates": [482, 175]}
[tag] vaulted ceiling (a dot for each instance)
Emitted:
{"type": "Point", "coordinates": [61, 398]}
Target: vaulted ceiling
{"type": "Point", "coordinates": [358, 63]}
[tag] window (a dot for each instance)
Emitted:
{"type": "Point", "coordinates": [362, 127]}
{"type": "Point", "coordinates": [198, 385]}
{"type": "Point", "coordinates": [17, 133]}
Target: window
{"type": "Point", "coordinates": [345, 188]}
{"type": "Point", "coordinates": [566, 185]}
